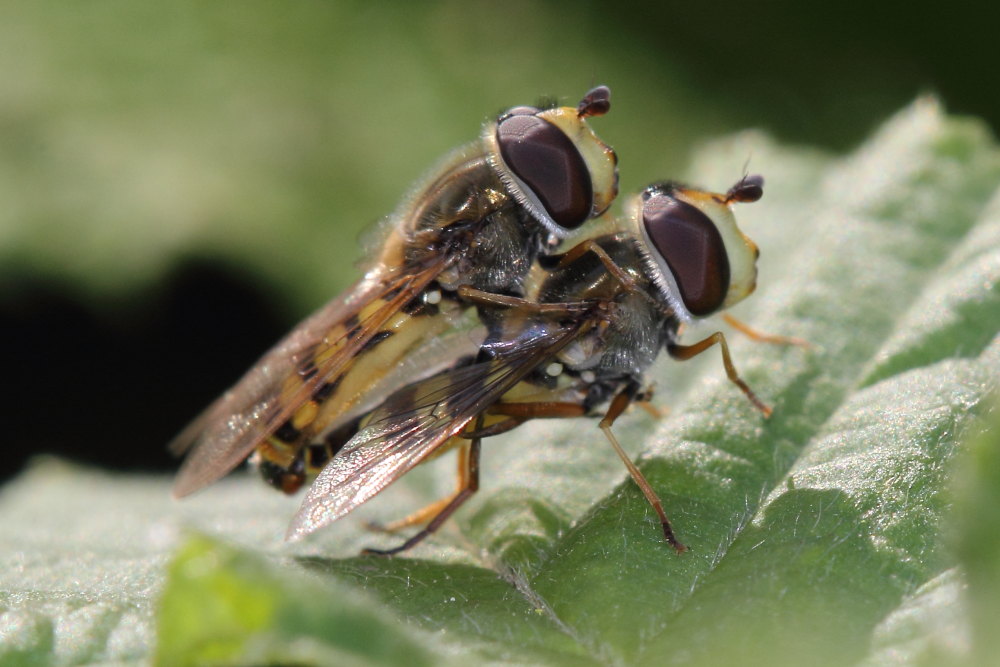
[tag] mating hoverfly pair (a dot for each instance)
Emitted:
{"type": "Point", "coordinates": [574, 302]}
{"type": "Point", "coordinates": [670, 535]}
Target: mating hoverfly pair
{"type": "Point", "coordinates": [471, 321]}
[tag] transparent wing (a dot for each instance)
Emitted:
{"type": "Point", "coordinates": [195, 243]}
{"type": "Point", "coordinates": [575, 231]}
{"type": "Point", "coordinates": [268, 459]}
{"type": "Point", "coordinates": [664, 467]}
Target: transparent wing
{"type": "Point", "coordinates": [415, 421]}
{"type": "Point", "coordinates": [287, 376]}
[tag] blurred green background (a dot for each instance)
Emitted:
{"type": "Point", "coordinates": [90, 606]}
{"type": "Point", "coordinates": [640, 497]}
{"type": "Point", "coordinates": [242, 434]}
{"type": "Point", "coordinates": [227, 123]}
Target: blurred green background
{"type": "Point", "coordinates": [180, 182]}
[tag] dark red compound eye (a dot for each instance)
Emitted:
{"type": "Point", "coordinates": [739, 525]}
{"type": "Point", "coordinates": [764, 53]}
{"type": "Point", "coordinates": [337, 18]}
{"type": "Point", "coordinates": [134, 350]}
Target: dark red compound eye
{"type": "Point", "coordinates": [545, 159]}
{"type": "Point", "coordinates": [692, 248]}
{"type": "Point", "coordinates": [520, 111]}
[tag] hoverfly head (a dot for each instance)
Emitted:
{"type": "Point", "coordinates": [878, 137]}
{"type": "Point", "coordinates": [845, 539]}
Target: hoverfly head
{"type": "Point", "coordinates": [554, 164]}
{"type": "Point", "coordinates": [700, 260]}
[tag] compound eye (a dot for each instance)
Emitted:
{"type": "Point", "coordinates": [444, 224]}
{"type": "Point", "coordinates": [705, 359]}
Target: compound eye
{"type": "Point", "coordinates": [544, 158]}
{"type": "Point", "coordinates": [693, 250]}
{"type": "Point", "coordinates": [519, 111]}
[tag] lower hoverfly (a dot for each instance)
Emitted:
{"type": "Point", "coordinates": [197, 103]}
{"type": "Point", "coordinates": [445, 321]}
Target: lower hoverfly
{"type": "Point", "coordinates": [596, 320]}
{"type": "Point", "coordinates": [479, 221]}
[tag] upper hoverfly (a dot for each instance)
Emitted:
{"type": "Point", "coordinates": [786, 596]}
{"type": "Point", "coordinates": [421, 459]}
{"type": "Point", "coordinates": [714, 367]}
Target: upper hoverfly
{"type": "Point", "coordinates": [479, 221]}
{"type": "Point", "coordinates": [593, 323]}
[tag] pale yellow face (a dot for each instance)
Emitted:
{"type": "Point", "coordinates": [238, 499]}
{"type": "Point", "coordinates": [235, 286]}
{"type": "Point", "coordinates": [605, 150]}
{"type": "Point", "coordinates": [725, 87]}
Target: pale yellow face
{"type": "Point", "coordinates": [600, 158]}
{"type": "Point", "coordinates": [695, 252]}
{"type": "Point", "coordinates": [554, 164]}
{"type": "Point", "coordinates": [742, 251]}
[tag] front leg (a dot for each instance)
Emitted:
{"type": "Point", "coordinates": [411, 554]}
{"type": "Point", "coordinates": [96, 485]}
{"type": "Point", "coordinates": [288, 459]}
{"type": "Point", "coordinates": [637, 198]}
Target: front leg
{"type": "Point", "coordinates": [684, 352]}
{"type": "Point", "coordinates": [758, 336]}
{"type": "Point", "coordinates": [616, 271]}
{"type": "Point", "coordinates": [478, 297]}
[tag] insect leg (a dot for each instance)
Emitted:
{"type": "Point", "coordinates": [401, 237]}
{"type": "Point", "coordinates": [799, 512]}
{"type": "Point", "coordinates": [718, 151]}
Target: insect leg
{"type": "Point", "coordinates": [617, 407]}
{"type": "Point", "coordinates": [644, 399]}
{"type": "Point", "coordinates": [470, 479]}
{"type": "Point", "coordinates": [425, 514]}
{"type": "Point", "coordinates": [480, 298]}
{"type": "Point", "coordinates": [590, 245]}
{"type": "Point", "coordinates": [616, 271]}
{"type": "Point", "coordinates": [652, 410]}
{"type": "Point", "coordinates": [539, 409]}
{"type": "Point", "coordinates": [760, 337]}
{"type": "Point", "coordinates": [518, 413]}
{"type": "Point", "coordinates": [685, 352]}
{"type": "Point", "coordinates": [496, 428]}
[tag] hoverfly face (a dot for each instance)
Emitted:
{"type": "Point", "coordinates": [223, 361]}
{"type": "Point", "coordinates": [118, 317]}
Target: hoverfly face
{"type": "Point", "coordinates": [699, 258]}
{"type": "Point", "coordinates": [554, 164]}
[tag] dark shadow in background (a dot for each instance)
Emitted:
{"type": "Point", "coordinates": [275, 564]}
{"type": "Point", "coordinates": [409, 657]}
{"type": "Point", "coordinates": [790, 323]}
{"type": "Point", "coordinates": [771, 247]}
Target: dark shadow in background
{"type": "Point", "coordinates": [113, 388]}
{"type": "Point", "coordinates": [822, 73]}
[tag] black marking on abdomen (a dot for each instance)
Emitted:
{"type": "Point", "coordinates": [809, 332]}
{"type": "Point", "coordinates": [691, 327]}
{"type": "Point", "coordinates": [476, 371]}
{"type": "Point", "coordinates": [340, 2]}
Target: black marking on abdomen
{"type": "Point", "coordinates": [337, 438]}
{"type": "Point", "coordinates": [316, 456]}
{"type": "Point", "coordinates": [287, 480]}
{"type": "Point", "coordinates": [415, 306]}
{"type": "Point", "coordinates": [375, 340]}
{"type": "Point", "coordinates": [326, 390]}
{"type": "Point", "coordinates": [288, 433]}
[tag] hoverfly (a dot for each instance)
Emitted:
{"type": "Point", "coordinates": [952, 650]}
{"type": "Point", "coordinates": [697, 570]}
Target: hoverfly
{"type": "Point", "coordinates": [477, 222]}
{"type": "Point", "coordinates": [594, 323]}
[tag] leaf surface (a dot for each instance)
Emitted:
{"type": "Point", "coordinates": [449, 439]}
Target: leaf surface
{"type": "Point", "coordinates": [825, 534]}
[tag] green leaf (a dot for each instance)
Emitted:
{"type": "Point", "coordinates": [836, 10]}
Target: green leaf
{"type": "Point", "coordinates": [824, 535]}
{"type": "Point", "coordinates": [977, 492]}
{"type": "Point", "coordinates": [227, 607]}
